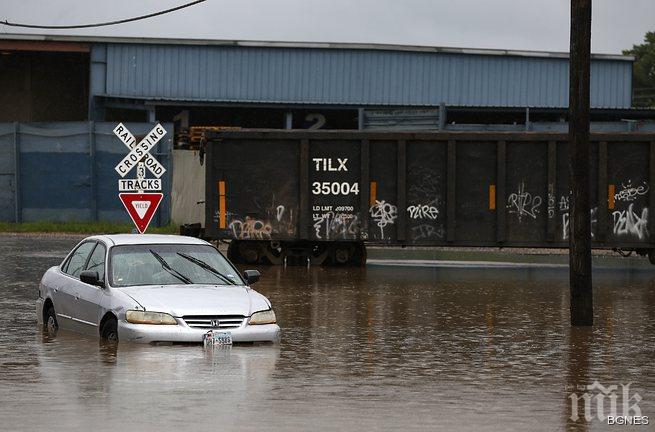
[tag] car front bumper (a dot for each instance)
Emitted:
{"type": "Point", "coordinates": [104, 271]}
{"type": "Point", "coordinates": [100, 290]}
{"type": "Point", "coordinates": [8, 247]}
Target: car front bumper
{"type": "Point", "coordinates": [145, 333]}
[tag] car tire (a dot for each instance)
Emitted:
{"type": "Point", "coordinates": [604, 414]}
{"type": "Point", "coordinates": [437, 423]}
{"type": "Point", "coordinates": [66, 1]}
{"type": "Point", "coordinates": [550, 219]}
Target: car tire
{"type": "Point", "coordinates": [50, 323]}
{"type": "Point", "coordinates": [109, 330]}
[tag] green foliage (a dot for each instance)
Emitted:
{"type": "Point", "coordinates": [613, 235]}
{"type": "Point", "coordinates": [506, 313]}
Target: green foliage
{"type": "Point", "coordinates": [644, 71]}
{"type": "Point", "coordinates": [81, 227]}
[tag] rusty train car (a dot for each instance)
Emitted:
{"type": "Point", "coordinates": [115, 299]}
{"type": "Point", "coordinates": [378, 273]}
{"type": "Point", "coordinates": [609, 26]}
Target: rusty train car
{"type": "Point", "coordinates": [321, 196]}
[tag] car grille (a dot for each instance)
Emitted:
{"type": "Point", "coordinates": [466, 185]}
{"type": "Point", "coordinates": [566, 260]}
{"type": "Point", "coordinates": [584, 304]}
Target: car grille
{"type": "Point", "coordinates": [205, 321]}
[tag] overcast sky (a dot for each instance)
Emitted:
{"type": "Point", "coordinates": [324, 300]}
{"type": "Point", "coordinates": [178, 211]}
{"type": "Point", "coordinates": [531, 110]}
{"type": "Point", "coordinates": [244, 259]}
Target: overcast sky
{"type": "Point", "coordinates": [506, 24]}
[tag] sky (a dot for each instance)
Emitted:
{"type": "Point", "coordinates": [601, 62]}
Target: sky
{"type": "Point", "coordinates": [539, 25]}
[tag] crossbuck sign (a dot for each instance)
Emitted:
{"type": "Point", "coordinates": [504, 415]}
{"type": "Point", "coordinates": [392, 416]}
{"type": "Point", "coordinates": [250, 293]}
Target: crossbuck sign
{"type": "Point", "coordinates": [140, 151]}
{"type": "Point", "coordinates": [140, 205]}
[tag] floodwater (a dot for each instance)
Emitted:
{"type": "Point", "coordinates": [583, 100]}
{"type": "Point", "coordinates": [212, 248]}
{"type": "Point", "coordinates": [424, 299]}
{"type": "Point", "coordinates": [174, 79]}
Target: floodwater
{"type": "Point", "coordinates": [381, 348]}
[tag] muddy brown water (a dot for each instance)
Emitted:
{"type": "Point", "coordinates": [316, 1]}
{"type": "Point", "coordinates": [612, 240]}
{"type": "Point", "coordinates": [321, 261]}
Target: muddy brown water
{"type": "Point", "coordinates": [381, 348]}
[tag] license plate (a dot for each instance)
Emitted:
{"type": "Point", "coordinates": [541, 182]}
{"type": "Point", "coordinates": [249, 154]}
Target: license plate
{"type": "Point", "coordinates": [212, 338]}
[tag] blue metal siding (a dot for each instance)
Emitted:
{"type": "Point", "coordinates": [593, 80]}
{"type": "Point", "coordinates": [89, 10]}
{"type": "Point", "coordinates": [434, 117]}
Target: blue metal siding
{"type": "Point", "coordinates": [350, 77]}
{"type": "Point", "coordinates": [611, 84]}
{"type": "Point", "coordinates": [66, 172]}
{"type": "Point", "coordinates": [7, 172]}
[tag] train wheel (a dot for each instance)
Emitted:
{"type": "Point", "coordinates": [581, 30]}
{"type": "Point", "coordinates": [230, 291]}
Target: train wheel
{"type": "Point", "coordinates": [342, 255]}
{"type": "Point", "coordinates": [651, 256]}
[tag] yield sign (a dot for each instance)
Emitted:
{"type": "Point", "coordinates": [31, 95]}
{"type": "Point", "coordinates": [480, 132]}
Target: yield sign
{"type": "Point", "coordinates": [141, 207]}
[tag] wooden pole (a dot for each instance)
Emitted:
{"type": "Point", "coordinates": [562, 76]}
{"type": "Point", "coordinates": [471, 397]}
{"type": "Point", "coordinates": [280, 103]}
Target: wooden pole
{"type": "Point", "coordinates": [582, 308]}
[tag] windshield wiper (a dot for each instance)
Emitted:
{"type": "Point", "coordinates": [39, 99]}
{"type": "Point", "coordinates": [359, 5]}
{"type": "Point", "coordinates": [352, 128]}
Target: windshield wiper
{"type": "Point", "coordinates": [169, 269]}
{"type": "Point", "coordinates": [204, 265]}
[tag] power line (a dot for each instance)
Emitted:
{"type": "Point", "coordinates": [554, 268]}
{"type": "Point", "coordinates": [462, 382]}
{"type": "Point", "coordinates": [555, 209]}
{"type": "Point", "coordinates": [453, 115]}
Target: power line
{"type": "Point", "coordinates": [102, 24]}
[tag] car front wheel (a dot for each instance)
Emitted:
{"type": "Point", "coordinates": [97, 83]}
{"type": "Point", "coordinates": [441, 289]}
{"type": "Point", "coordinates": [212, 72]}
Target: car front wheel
{"type": "Point", "coordinates": [50, 324]}
{"type": "Point", "coordinates": [109, 330]}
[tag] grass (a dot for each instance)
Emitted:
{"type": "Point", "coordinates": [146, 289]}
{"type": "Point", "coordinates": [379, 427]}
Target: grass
{"type": "Point", "coordinates": [79, 227]}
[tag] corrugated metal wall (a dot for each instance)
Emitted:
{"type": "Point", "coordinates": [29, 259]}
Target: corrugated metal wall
{"type": "Point", "coordinates": [347, 76]}
{"type": "Point", "coordinates": [400, 119]}
{"type": "Point", "coordinates": [65, 171]}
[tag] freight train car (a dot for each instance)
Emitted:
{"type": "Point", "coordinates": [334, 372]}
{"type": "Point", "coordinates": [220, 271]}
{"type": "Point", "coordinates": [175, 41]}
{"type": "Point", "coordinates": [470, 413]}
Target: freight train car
{"type": "Point", "coordinates": [321, 196]}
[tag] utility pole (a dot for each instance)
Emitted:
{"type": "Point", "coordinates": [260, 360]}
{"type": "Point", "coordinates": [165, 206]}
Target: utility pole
{"type": "Point", "coordinates": [582, 307]}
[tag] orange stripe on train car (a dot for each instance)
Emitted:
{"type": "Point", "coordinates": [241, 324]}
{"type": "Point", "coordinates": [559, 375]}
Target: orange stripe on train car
{"type": "Point", "coordinates": [492, 197]}
{"type": "Point", "coordinates": [374, 193]}
{"type": "Point", "coordinates": [611, 189]}
{"type": "Point", "coordinates": [222, 211]}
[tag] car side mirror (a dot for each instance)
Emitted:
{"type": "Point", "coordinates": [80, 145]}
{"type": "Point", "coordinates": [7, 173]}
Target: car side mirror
{"type": "Point", "coordinates": [251, 276]}
{"type": "Point", "coordinates": [91, 277]}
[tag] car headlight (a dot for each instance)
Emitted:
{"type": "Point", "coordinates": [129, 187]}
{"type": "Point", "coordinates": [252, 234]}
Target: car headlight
{"type": "Point", "coordinates": [263, 317]}
{"type": "Point", "coordinates": [143, 317]}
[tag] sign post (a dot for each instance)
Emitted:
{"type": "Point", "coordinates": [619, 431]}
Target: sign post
{"type": "Point", "coordinates": [138, 195]}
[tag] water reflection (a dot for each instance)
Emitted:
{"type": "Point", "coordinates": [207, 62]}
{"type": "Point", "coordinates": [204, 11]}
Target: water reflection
{"type": "Point", "coordinates": [375, 348]}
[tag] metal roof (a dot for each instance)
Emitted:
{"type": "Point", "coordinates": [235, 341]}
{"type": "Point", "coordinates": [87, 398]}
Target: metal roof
{"type": "Point", "coordinates": [309, 45]}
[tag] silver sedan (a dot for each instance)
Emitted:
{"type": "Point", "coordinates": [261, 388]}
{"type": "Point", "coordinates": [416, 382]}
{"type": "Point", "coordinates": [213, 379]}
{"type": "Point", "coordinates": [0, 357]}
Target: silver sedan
{"type": "Point", "coordinates": [154, 288]}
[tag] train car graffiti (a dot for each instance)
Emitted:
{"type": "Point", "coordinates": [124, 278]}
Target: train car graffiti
{"type": "Point", "coordinates": [629, 193]}
{"type": "Point", "coordinates": [335, 226]}
{"type": "Point", "coordinates": [524, 204]}
{"type": "Point", "coordinates": [423, 211]}
{"type": "Point", "coordinates": [383, 214]}
{"type": "Point", "coordinates": [248, 229]}
{"type": "Point", "coordinates": [631, 222]}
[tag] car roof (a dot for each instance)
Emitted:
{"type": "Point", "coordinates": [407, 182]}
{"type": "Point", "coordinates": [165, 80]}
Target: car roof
{"type": "Point", "coordinates": [135, 239]}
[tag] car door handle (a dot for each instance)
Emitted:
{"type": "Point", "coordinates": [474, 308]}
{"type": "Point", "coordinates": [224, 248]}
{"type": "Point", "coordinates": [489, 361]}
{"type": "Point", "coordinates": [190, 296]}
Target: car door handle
{"type": "Point", "coordinates": [56, 290]}
{"type": "Point", "coordinates": [77, 296]}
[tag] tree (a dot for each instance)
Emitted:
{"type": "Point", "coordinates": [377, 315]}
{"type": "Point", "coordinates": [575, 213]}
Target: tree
{"type": "Point", "coordinates": [644, 71]}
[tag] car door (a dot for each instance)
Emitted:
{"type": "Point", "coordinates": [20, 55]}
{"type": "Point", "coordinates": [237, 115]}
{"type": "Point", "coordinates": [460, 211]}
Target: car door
{"type": "Point", "coordinates": [65, 296]}
{"type": "Point", "coordinates": [88, 297]}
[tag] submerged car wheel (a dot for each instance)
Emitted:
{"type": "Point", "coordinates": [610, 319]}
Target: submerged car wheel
{"type": "Point", "coordinates": [50, 324]}
{"type": "Point", "coordinates": [109, 330]}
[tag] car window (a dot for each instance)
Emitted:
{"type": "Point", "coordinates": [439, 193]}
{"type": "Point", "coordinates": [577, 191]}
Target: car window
{"type": "Point", "coordinates": [77, 260]}
{"type": "Point", "coordinates": [169, 264]}
{"type": "Point", "coordinates": [97, 261]}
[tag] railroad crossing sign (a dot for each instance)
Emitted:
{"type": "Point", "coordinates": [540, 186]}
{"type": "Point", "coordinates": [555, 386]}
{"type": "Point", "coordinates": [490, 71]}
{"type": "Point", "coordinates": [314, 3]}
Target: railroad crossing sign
{"type": "Point", "coordinates": [140, 205]}
{"type": "Point", "coordinates": [140, 151]}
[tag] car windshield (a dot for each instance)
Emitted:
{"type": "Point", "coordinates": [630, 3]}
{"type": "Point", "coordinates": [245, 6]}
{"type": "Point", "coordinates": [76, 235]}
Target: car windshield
{"type": "Point", "coordinates": [170, 264]}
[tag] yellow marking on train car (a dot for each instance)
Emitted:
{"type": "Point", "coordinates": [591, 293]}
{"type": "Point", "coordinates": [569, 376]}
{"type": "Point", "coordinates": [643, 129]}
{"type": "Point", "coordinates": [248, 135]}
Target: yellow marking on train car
{"type": "Point", "coordinates": [374, 193]}
{"type": "Point", "coordinates": [610, 196]}
{"type": "Point", "coordinates": [222, 212]}
{"type": "Point", "coordinates": [492, 197]}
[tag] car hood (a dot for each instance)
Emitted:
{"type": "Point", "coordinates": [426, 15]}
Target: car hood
{"type": "Point", "coordinates": [180, 300]}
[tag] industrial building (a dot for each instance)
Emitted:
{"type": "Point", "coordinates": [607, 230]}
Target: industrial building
{"type": "Point", "coordinates": [294, 85]}
{"type": "Point", "coordinates": [61, 97]}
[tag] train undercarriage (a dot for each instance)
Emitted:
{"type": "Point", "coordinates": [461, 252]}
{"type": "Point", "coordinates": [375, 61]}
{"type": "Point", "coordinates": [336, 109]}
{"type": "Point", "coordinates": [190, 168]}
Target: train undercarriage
{"type": "Point", "coordinates": [297, 253]}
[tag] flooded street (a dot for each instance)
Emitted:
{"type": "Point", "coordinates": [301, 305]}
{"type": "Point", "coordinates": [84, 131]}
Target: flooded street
{"type": "Point", "coordinates": [381, 348]}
